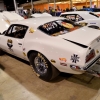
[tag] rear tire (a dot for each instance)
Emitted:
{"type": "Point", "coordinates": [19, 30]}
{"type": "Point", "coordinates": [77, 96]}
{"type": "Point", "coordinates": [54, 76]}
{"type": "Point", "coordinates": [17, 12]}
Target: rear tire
{"type": "Point", "coordinates": [43, 67]}
{"type": "Point", "coordinates": [1, 52]}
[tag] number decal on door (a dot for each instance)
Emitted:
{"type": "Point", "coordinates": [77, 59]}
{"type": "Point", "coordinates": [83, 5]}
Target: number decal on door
{"type": "Point", "coordinates": [10, 43]}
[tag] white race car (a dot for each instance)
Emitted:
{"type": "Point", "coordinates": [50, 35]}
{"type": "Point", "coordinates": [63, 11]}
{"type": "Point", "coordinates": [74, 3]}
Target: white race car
{"type": "Point", "coordinates": [82, 17]}
{"type": "Point", "coordinates": [53, 45]}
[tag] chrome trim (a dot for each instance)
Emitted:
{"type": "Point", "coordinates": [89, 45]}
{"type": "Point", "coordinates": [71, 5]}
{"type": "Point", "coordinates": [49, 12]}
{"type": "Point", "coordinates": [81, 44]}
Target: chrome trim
{"type": "Point", "coordinates": [92, 63]}
{"type": "Point", "coordinates": [84, 69]}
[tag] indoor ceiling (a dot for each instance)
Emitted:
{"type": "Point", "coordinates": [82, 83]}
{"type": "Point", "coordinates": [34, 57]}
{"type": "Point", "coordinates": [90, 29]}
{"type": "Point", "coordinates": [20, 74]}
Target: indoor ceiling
{"type": "Point", "coordinates": [10, 4]}
{"type": "Point", "coordinates": [18, 1]}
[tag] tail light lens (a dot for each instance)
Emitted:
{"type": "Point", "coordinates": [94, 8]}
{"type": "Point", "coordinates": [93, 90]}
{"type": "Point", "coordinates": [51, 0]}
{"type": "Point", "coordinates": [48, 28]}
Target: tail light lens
{"type": "Point", "coordinates": [90, 55]}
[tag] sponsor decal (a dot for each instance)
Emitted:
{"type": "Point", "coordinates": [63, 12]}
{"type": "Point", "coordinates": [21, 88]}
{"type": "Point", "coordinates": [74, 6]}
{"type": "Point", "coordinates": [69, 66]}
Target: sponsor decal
{"type": "Point", "coordinates": [83, 23]}
{"type": "Point", "coordinates": [53, 61]}
{"type": "Point", "coordinates": [97, 51]}
{"type": "Point", "coordinates": [31, 30]}
{"type": "Point", "coordinates": [75, 58]}
{"type": "Point", "coordinates": [43, 59]}
{"type": "Point", "coordinates": [92, 23]}
{"type": "Point", "coordinates": [67, 25]}
{"type": "Point", "coordinates": [24, 53]}
{"type": "Point", "coordinates": [63, 59]}
{"type": "Point", "coordinates": [10, 43]}
{"type": "Point", "coordinates": [7, 21]}
{"type": "Point", "coordinates": [63, 64]}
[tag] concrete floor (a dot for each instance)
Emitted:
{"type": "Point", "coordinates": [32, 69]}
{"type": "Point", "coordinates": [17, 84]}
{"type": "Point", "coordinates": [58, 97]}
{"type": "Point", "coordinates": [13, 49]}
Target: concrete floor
{"type": "Point", "coordinates": [18, 82]}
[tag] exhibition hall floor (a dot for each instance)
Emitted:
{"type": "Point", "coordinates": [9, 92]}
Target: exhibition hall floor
{"type": "Point", "coordinates": [18, 82]}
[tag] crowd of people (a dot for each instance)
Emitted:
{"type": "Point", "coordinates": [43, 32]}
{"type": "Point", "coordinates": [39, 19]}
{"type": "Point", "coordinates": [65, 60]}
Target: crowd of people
{"type": "Point", "coordinates": [51, 10]}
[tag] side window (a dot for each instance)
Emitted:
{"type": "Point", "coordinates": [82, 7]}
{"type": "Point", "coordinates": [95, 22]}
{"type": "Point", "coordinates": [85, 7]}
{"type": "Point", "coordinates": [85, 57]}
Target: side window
{"type": "Point", "coordinates": [73, 17]}
{"type": "Point", "coordinates": [10, 29]}
{"type": "Point", "coordinates": [70, 17]}
{"type": "Point", "coordinates": [63, 16]}
{"type": "Point", "coordinates": [78, 18]}
{"type": "Point", "coordinates": [17, 31]}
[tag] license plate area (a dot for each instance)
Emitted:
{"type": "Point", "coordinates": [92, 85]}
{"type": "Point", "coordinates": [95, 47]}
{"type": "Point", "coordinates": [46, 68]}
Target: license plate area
{"type": "Point", "coordinates": [95, 70]}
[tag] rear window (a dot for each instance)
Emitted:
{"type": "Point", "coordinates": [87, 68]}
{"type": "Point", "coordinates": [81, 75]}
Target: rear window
{"type": "Point", "coordinates": [72, 17]}
{"type": "Point", "coordinates": [59, 27]}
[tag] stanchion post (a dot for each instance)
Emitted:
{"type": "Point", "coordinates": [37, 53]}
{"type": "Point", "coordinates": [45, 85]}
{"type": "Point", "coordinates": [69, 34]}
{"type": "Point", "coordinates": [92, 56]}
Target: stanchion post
{"type": "Point", "coordinates": [15, 5]}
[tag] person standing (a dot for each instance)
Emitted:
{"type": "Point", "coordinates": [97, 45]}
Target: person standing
{"type": "Point", "coordinates": [28, 13]}
{"type": "Point", "coordinates": [74, 8]}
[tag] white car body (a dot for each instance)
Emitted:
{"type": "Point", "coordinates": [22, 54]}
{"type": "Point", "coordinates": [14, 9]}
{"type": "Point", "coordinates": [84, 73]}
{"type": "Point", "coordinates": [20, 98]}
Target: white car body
{"type": "Point", "coordinates": [41, 15]}
{"type": "Point", "coordinates": [84, 17]}
{"type": "Point", "coordinates": [68, 51]}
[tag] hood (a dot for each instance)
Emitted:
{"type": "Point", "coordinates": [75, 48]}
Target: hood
{"type": "Point", "coordinates": [84, 36]}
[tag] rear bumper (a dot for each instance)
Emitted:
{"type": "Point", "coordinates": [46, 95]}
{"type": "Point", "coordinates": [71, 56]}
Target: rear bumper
{"type": "Point", "coordinates": [90, 68]}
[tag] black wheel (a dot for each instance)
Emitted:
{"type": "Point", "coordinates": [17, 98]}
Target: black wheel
{"type": "Point", "coordinates": [43, 67]}
{"type": "Point", "coordinates": [1, 52]}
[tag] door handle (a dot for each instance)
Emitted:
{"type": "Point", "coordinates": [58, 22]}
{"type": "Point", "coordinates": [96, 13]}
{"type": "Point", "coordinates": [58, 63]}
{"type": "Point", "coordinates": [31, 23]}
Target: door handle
{"type": "Point", "coordinates": [20, 43]}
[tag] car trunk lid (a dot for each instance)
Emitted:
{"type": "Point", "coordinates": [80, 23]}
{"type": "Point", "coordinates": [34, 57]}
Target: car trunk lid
{"type": "Point", "coordinates": [84, 36]}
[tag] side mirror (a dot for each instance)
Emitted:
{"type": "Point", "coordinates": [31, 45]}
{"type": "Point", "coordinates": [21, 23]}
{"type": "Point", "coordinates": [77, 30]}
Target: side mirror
{"type": "Point", "coordinates": [4, 32]}
{"type": "Point", "coordinates": [1, 34]}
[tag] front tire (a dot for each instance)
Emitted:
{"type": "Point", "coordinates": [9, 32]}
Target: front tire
{"type": "Point", "coordinates": [43, 67]}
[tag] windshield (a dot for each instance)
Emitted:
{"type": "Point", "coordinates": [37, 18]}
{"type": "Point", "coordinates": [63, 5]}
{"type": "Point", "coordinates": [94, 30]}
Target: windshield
{"type": "Point", "coordinates": [59, 27]}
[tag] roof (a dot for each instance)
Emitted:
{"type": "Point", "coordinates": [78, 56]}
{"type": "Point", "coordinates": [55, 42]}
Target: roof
{"type": "Point", "coordinates": [37, 21]}
{"type": "Point", "coordinates": [76, 12]}
{"type": "Point", "coordinates": [84, 14]}
{"type": "Point", "coordinates": [41, 15]}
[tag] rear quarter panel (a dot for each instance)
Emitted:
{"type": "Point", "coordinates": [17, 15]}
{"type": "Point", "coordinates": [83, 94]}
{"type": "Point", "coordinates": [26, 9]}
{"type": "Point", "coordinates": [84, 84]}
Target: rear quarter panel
{"type": "Point", "coordinates": [53, 48]}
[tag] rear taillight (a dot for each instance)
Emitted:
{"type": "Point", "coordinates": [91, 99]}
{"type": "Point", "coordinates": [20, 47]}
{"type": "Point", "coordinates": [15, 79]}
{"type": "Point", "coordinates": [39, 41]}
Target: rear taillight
{"type": "Point", "coordinates": [90, 55]}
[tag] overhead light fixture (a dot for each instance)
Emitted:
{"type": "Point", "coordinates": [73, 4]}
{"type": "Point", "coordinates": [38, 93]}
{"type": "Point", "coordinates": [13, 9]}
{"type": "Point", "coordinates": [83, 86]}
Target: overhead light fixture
{"type": "Point", "coordinates": [27, 1]}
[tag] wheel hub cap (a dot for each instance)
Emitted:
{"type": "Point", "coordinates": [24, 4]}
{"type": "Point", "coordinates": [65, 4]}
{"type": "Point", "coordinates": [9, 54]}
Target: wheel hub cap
{"type": "Point", "coordinates": [40, 65]}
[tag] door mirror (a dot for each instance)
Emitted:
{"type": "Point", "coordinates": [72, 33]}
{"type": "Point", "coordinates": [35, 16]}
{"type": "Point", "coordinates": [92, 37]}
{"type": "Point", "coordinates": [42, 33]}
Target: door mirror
{"type": "Point", "coordinates": [1, 33]}
{"type": "Point", "coordinates": [4, 32]}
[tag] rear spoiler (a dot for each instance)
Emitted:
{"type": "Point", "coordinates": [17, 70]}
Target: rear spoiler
{"type": "Point", "coordinates": [6, 18]}
{"type": "Point", "coordinates": [10, 17]}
